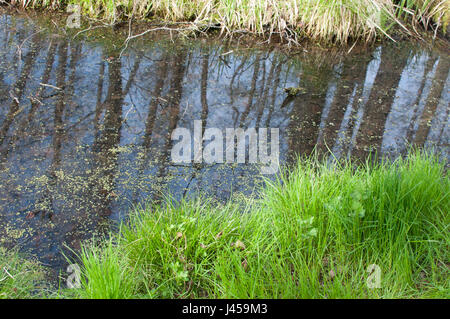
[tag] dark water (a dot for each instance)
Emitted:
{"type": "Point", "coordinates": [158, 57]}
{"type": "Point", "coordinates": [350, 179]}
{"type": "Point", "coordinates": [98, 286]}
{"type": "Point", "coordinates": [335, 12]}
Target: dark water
{"type": "Point", "coordinates": [85, 130]}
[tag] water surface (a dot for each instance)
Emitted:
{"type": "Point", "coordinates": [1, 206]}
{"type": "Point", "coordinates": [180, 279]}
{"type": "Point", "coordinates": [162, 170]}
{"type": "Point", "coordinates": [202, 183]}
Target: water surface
{"type": "Point", "coordinates": [85, 127]}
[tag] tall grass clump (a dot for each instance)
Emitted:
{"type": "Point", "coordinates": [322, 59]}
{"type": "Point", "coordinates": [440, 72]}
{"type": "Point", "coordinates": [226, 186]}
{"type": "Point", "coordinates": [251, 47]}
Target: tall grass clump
{"type": "Point", "coordinates": [426, 12]}
{"type": "Point", "coordinates": [325, 20]}
{"type": "Point", "coordinates": [331, 223]}
{"type": "Point", "coordinates": [107, 273]}
{"type": "Point", "coordinates": [313, 233]}
{"type": "Point", "coordinates": [163, 252]}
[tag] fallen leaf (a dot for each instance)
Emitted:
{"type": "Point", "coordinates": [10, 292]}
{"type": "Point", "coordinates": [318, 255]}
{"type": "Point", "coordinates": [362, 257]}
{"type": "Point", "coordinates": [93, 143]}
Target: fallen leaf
{"type": "Point", "coordinates": [32, 214]}
{"type": "Point", "coordinates": [244, 264]}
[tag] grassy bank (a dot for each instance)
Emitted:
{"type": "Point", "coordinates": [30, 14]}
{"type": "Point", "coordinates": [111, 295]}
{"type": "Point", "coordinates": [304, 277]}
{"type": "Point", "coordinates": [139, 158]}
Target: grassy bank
{"type": "Point", "coordinates": [326, 20]}
{"type": "Point", "coordinates": [313, 234]}
{"type": "Point", "coordinates": [19, 277]}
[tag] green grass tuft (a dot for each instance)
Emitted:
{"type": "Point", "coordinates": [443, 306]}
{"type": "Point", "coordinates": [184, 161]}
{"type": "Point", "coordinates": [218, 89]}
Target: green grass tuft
{"type": "Point", "coordinates": [19, 277]}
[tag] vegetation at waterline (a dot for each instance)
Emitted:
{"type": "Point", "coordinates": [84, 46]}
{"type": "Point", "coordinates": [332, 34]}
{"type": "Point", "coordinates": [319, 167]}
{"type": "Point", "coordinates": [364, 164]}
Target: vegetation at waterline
{"type": "Point", "coordinates": [314, 233]}
{"type": "Point", "coordinates": [326, 20]}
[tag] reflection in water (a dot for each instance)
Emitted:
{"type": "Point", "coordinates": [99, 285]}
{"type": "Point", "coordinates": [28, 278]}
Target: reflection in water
{"type": "Point", "coordinates": [85, 133]}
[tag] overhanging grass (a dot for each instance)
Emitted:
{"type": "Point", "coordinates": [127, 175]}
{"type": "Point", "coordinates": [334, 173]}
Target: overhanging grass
{"type": "Point", "coordinates": [328, 20]}
{"type": "Point", "coordinates": [313, 234]}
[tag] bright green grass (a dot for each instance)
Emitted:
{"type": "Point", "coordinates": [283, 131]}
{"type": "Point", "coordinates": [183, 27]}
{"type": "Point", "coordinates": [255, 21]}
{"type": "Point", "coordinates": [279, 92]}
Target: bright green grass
{"type": "Point", "coordinates": [326, 20]}
{"type": "Point", "coordinates": [312, 234]}
{"type": "Point", "coordinates": [19, 277]}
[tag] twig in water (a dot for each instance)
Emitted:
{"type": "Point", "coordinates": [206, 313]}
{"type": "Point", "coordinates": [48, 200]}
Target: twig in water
{"type": "Point", "coordinates": [91, 28]}
{"type": "Point", "coordinates": [19, 47]}
{"type": "Point", "coordinates": [51, 86]}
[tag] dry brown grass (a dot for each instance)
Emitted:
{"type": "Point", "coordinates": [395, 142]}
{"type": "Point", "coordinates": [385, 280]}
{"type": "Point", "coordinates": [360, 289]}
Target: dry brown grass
{"type": "Point", "coordinates": [329, 20]}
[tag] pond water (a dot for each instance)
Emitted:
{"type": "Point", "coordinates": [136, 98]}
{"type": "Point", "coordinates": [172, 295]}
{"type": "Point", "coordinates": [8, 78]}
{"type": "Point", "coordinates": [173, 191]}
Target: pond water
{"type": "Point", "coordinates": [85, 126]}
